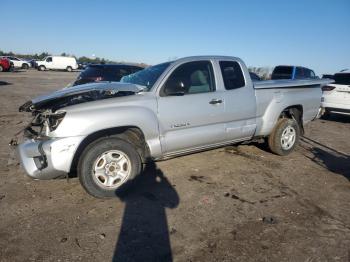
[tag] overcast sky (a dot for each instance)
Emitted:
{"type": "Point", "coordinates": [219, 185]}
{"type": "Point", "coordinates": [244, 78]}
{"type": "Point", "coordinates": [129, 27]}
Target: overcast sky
{"type": "Point", "coordinates": [315, 34]}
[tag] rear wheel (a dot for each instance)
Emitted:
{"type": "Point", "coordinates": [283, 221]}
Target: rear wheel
{"type": "Point", "coordinates": [326, 114]}
{"type": "Point", "coordinates": [1, 68]}
{"type": "Point", "coordinates": [41, 68]}
{"type": "Point", "coordinates": [107, 165]}
{"type": "Point", "coordinates": [25, 66]}
{"type": "Point", "coordinates": [284, 137]}
{"type": "Point", "coordinates": [69, 69]}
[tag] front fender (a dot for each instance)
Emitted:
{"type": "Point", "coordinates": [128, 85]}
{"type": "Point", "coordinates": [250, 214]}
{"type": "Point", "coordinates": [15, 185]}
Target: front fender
{"type": "Point", "coordinates": [84, 123]}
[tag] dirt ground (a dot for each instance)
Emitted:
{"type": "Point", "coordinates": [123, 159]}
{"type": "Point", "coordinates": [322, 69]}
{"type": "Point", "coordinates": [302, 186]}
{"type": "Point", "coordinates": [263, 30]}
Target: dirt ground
{"type": "Point", "coordinates": [238, 203]}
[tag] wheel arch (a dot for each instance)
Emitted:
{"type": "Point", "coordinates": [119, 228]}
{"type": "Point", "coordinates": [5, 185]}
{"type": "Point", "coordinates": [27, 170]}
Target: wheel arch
{"type": "Point", "coordinates": [131, 134]}
{"type": "Point", "coordinates": [274, 112]}
{"type": "Point", "coordinates": [294, 112]}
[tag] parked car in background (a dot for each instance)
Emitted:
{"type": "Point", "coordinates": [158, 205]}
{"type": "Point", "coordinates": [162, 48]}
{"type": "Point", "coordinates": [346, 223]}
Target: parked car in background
{"type": "Point", "coordinates": [105, 72]}
{"type": "Point", "coordinates": [32, 63]}
{"type": "Point", "coordinates": [57, 63]}
{"type": "Point", "coordinates": [328, 76]}
{"type": "Point", "coordinates": [106, 131]}
{"type": "Point", "coordinates": [292, 72]}
{"type": "Point", "coordinates": [82, 65]}
{"type": "Point", "coordinates": [254, 76]}
{"type": "Point", "coordinates": [5, 64]}
{"type": "Point", "coordinates": [18, 62]}
{"type": "Point", "coordinates": [336, 96]}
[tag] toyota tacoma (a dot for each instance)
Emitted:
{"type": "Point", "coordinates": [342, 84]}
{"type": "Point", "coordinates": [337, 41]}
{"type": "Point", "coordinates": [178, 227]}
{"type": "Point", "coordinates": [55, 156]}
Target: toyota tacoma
{"type": "Point", "coordinates": [106, 131]}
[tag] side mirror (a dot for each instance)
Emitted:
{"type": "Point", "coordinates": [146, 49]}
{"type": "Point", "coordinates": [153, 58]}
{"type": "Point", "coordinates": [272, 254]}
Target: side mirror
{"type": "Point", "coordinates": [174, 88]}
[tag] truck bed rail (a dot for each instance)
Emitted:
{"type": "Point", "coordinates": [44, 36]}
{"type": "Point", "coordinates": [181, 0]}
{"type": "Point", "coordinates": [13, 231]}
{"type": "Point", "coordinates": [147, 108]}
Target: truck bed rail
{"type": "Point", "coordinates": [303, 83]}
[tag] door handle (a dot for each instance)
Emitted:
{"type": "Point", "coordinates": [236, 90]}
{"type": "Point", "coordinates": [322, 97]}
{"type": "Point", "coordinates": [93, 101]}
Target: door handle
{"type": "Point", "coordinates": [215, 101]}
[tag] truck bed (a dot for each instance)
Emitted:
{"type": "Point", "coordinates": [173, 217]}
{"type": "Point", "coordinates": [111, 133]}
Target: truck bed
{"type": "Point", "coordinates": [272, 96]}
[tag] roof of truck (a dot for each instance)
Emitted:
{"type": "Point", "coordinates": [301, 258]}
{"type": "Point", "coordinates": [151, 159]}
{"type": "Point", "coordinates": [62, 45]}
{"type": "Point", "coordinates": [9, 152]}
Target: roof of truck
{"type": "Point", "coordinates": [207, 57]}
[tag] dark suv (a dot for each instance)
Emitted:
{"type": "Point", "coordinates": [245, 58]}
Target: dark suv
{"type": "Point", "coordinates": [102, 72]}
{"type": "Point", "coordinates": [292, 72]}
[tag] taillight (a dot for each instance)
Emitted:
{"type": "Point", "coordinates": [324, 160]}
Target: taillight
{"type": "Point", "coordinates": [327, 88]}
{"type": "Point", "coordinates": [98, 79]}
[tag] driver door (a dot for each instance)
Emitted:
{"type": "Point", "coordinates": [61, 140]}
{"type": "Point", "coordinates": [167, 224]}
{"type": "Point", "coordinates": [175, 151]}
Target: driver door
{"type": "Point", "coordinates": [49, 63]}
{"type": "Point", "coordinates": [190, 109]}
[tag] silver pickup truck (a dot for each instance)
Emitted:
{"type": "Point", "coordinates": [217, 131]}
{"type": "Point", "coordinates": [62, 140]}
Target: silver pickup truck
{"type": "Point", "coordinates": [106, 131]}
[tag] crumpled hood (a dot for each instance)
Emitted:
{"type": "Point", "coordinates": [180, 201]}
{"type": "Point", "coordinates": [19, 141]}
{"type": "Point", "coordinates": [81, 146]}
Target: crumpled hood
{"type": "Point", "coordinates": [80, 94]}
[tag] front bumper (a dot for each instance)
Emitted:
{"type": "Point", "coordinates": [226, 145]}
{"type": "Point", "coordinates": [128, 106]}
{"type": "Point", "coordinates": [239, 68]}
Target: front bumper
{"type": "Point", "coordinates": [48, 159]}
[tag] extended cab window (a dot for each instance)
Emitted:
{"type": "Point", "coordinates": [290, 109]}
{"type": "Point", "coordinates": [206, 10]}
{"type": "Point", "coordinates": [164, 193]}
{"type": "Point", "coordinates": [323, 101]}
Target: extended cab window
{"type": "Point", "coordinates": [232, 75]}
{"type": "Point", "coordinates": [190, 78]}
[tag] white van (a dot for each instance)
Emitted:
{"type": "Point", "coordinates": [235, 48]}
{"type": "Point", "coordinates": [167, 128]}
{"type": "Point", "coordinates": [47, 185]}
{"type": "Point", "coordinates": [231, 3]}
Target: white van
{"type": "Point", "coordinates": [57, 63]}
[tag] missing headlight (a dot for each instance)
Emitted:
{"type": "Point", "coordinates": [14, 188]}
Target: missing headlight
{"type": "Point", "coordinates": [53, 120]}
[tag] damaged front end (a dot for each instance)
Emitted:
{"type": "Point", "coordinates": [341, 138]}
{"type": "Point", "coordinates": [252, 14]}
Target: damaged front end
{"type": "Point", "coordinates": [46, 109]}
{"type": "Point", "coordinates": [42, 124]}
{"type": "Point", "coordinates": [42, 154]}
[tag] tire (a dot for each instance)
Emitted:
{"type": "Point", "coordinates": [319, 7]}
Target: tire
{"type": "Point", "coordinates": [326, 114]}
{"type": "Point", "coordinates": [101, 173]}
{"type": "Point", "coordinates": [284, 137]}
{"type": "Point", "coordinates": [25, 66]}
{"type": "Point", "coordinates": [41, 68]}
{"type": "Point", "coordinates": [1, 68]}
{"type": "Point", "coordinates": [69, 69]}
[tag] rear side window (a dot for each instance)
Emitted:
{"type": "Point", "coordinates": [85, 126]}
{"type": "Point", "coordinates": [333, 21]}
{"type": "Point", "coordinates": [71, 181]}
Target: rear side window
{"type": "Point", "coordinates": [302, 73]}
{"type": "Point", "coordinates": [91, 71]}
{"type": "Point", "coordinates": [232, 74]}
{"type": "Point", "coordinates": [282, 72]}
{"type": "Point", "coordinates": [342, 79]}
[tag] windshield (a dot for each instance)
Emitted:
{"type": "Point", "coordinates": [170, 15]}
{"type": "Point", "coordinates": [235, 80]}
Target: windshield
{"type": "Point", "coordinates": [146, 77]}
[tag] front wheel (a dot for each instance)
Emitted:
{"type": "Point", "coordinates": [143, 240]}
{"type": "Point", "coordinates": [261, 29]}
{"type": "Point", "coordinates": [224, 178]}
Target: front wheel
{"type": "Point", "coordinates": [41, 68]}
{"type": "Point", "coordinates": [25, 66]}
{"type": "Point", "coordinates": [284, 137]}
{"type": "Point", "coordinates": [1, 68]}
{"type": "Point", "coordinates": [107, 165]}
